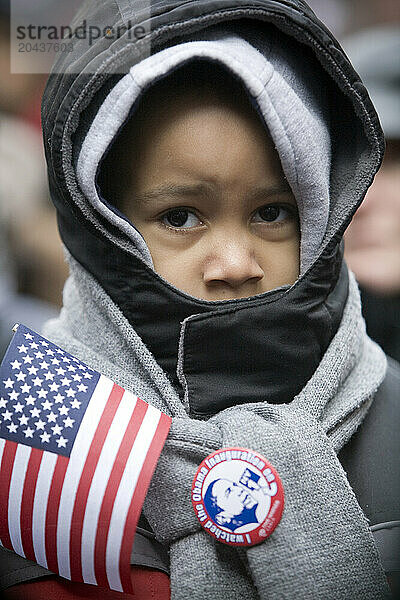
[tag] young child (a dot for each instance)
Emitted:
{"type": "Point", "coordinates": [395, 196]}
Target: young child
{"type": "Point", "coordinates": [202, 199]}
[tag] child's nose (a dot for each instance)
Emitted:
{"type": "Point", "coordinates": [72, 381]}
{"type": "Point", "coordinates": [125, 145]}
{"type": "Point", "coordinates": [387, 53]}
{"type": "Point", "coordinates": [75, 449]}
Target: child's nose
{"type": "Point", "coordinates": [233, 263]}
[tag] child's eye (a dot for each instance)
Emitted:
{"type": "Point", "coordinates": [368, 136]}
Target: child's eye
{"type": "Point", "coordinates": [274, 213]}
{"type": "Point", "coordinates": [180, 218]}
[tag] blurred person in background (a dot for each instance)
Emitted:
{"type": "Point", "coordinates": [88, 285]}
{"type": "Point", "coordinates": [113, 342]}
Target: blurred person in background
{"type": "Point", "coordinates": [344, 17]}
{"type": "Point", "coordinates": [32, 269]}
{"type": "Point", "coordinates": [363, 14]}
{"type": "Point", "coordinates": [373, 238]}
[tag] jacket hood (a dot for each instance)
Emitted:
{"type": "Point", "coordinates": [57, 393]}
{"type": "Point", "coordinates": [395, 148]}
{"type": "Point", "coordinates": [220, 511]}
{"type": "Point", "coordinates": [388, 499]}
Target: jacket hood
{"type": "Point", "coordinates": [106, 244]}
{"type": "Point", "coordinates": [82, 79]}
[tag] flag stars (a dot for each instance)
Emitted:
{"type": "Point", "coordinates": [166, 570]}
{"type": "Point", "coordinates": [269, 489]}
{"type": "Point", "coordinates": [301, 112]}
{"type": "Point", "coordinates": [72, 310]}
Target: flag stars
{"type": "Point", "coordinates": [68, 422]}
{"type": "Point", "coordinates": [52, 418]}
{"type": "Point", "coordinates": [56, 429]}
{"type": "Point", "coordinates": [44, 382]}
{"type": "Point", "coordinates": [29, 432]}
{"type": "Point", "coordinates": [28, 336]}
{"type": "Point", "coordinates": [23, 420]}
{"type": "Point", "coordinates": [12, 427]}
{"type": "Point", "coordinates": [47, 405]}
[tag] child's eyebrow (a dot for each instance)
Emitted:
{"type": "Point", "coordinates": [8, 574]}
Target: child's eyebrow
{"type": "Point", "coordinates": [265, 192]}
{"type": "Point", "coordinates": [206, 189]}
{"type": "Point", "coordinates": [176, 191]}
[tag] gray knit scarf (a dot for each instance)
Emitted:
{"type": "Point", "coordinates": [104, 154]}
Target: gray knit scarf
{"type": "Point", "coordinates": [322, 548]}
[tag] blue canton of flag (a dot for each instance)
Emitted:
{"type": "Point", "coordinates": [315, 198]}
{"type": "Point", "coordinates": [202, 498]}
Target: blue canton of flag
{"type": "Point", "coordinates": [44, 394]}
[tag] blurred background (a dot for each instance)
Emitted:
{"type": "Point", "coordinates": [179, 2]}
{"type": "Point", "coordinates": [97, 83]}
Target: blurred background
{"type": "Point", "coordinates": [32, 268]}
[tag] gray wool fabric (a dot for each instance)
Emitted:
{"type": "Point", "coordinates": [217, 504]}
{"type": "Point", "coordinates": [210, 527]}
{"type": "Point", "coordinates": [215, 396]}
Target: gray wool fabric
{"type": "Point", "coordinates": [322, 547]}
{"type": "Point", "coordinates": [288, 97]}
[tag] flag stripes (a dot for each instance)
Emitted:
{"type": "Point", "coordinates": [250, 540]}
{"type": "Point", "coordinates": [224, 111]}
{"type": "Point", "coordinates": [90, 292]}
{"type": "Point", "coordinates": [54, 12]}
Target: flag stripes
{"type": "Point", "coordinates": [23, 473]}
{"type": "Point", "coordinates": [85, 482]}
{"type": "Point", "coordinates": [42, 491]}
{"type": "Point", "coordinates": [20, 466]}
{"type": "Point", "coordinates": [53, 512]}
{"type": "Point", "coordinates": [139, 494]}
{"type": "Point", "coordinates": [128, 484]}
{"type": "Point", "coordinates": [7, 462]}
{"type": "Point", "coordinates": [78, 456]}
{"type": "Point", "coordinates": [3, 498]}
{"type": "Point", "coordinates": [28, 495]}
{"type": "Point", "coordinates": [134, 420]}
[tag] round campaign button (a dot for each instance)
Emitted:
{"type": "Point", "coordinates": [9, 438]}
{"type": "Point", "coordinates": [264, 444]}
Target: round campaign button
{"type": "Point", "coordinates": [237, 496]}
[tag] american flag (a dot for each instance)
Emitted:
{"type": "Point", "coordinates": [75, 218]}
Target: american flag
{"type": "Point", "coordinates": [77, 454]}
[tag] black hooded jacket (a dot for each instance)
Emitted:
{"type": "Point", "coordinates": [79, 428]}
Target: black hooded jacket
{"type": "Point", "coordinates": [77, 87]}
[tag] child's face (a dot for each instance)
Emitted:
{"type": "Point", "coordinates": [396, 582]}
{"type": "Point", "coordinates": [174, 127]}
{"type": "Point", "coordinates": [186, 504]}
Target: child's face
{"type": "Point", "coordinates": [211, 201]}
